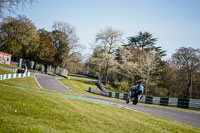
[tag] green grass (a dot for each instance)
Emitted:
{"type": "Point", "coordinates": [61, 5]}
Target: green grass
{"type": "Point", "coordinates": [5, 72]}
{"type": "Point", "coordinates": [30, 111]}
{"type": "Point", "coordinates": [81, 77]}
{"type": "Point", "coordinates": [10, 66]}
{"type": "Point", "coordinates": [78, 86]}
{"type": "Point", "coordinates": [32, 73]}
{"type": "Point", "coordinates": [53, 74]}
{"type": "Point", "coordinates": [27, 82]}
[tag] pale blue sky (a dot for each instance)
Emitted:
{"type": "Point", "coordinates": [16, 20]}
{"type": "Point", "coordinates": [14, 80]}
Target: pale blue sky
{"type": "Point", "coordinates": [175, 23]}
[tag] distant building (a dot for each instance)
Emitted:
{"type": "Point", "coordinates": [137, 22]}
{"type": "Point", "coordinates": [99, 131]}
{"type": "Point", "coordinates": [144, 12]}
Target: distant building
{"type": "Point", "coordinates": [5, 58]}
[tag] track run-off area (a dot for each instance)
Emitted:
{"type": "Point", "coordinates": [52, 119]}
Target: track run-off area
{"type": "Point", "coordinates": [190, 118]}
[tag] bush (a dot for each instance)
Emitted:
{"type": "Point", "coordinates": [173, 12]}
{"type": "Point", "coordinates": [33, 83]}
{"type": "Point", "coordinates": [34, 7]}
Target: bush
{"type": "Point", "coordinates": [161, 92]}
{"type": "Point", "coordinates": [122, 86]}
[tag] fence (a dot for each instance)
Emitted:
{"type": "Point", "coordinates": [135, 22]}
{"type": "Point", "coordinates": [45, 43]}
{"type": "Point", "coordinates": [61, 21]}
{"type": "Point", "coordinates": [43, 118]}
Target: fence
{"type": "Point", "coordinates": [15, 75]}
{"type": "Point", "coordinates": [173, 102]}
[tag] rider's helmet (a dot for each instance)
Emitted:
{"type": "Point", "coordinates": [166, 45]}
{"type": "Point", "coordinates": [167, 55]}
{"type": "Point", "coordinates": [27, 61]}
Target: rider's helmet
{"type": "Point", "coordinates": [139, 84]}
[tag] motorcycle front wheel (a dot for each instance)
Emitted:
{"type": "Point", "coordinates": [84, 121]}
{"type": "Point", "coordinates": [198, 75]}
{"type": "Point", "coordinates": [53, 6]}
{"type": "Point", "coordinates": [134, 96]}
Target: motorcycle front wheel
{"type": "Point", "coordinates": [127, 100]}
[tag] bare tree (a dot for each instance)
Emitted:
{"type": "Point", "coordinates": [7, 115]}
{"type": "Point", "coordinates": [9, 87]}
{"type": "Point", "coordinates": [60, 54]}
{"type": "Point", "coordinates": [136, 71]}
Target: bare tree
{"type": "Point", "coordinates": [126, 61]}
{"type": "Point", "coordinates": [146, 67]}
{"type": "Point", "coordinates": [11, 5]}
{"type": "Point", "coordinates": [109, 39]}
{"type": "Point", "coordinates": [105, 63]}
{"type": "Point", "coordinates": [70, 32]}
{"type": "Point", "coordinates": [188, 60]}
{"type": "Point", "coordinates": [138, 63]}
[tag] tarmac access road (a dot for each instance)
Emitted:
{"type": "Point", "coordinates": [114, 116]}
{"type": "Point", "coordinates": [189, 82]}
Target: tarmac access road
{"type": "Point", "coordinates": [190, 118]}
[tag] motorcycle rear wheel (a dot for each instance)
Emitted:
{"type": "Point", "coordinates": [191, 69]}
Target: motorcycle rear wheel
{"type": "Point", "coordinates": [135, 100]}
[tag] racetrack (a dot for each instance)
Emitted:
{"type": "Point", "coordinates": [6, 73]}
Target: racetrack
{"type": "Point", "coordinates": [50, 82]}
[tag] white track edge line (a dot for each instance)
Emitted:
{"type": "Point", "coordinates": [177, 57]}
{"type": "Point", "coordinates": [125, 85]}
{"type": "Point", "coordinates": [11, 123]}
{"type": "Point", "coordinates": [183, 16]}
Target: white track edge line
{"type": "Point", "coordinates": [38, 83]}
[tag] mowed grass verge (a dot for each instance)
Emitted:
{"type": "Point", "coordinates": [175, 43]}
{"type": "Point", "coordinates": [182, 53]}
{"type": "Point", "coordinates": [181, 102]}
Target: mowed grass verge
{"type": "Point", "coordinates": [30, 111]}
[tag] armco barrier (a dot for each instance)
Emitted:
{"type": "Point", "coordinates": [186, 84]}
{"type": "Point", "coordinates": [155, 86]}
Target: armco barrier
{"type": "Point", "coordinates": [173, 102]}
{"type": "Point", "coordinates": [15, 75]}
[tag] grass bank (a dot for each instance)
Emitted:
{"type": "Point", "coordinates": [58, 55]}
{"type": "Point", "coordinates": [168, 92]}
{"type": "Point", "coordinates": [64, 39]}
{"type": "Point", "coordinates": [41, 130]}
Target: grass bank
{"type": "Point", "coordinates": [78, 76]}
{"type": "Point", "coordinates": [31, 111]}
{"type": "Point", "coordinates": [5, 72]}
{"type": "Point", "coordinates": [10, 66]}
{"type": "Point", "coordinates": [78, 86]}
{"type": "Point", "coordinates": [82, 87]}
{"type": "Point", "coordinates": [27, 82]}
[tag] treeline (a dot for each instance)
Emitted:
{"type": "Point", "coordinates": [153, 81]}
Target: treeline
{"type": "Point", "coordinates": [19, 37]}
{"type": "Point", "coordinates": [122, 65]}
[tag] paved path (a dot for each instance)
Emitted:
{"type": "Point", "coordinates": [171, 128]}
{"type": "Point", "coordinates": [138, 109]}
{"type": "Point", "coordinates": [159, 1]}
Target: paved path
{"type": "Point", "coordinates": [49, 82]}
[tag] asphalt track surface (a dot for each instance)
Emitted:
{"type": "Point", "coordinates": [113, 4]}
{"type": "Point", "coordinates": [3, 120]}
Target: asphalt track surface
{"type": "Point", "coordinates": [193, 119]}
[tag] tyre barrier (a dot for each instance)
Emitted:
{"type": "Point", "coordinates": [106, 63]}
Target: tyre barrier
{"type": "Point", "coordinates": [156, 100]}
{"type": "Point", "coordinates": [108, 94]}
{"type": "Point", "coordinates": [164, 101]}
{"type": "Point", "coordinates": [173, 102]}
{"type": "Point", "coordinates": [183, 102]}
{"type": "Point", "coordinates": [15, 75]}
{"type": "Point", "coordinates": [148, 99]}
{"type": "Point", "coordinates": [193, 104]}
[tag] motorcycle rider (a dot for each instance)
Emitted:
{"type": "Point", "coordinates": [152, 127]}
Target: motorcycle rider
{"type": "Point", "coordinates": [136, 90]}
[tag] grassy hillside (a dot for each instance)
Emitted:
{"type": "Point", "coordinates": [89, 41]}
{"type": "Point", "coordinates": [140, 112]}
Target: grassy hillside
{"type": "Point", "coordinates": [32, 111]}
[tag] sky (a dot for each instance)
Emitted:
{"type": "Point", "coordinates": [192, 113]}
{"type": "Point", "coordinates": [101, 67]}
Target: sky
{"type": "Point", "coordinates": [175, 23]}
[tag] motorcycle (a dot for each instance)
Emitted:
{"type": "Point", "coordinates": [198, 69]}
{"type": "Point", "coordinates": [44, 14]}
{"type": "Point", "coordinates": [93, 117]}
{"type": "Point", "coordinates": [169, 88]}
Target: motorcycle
{"type": "Point", "coordinates": [133, 96]}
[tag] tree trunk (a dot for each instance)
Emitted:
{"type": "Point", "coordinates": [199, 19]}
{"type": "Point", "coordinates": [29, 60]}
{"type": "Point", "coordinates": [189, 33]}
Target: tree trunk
{"type": "Point", "coordinates": [190, 85]}
{"type": "Point", "coordinates": [34, 66]}
{"type": "Point", "coordinates": [147, 84]}
{"type": "Point", "coordinates": [45, 70]}
{"type": "Point", "coordinates": [106, 75]}
{"type": "Point", "coordinates": [146, 88]}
